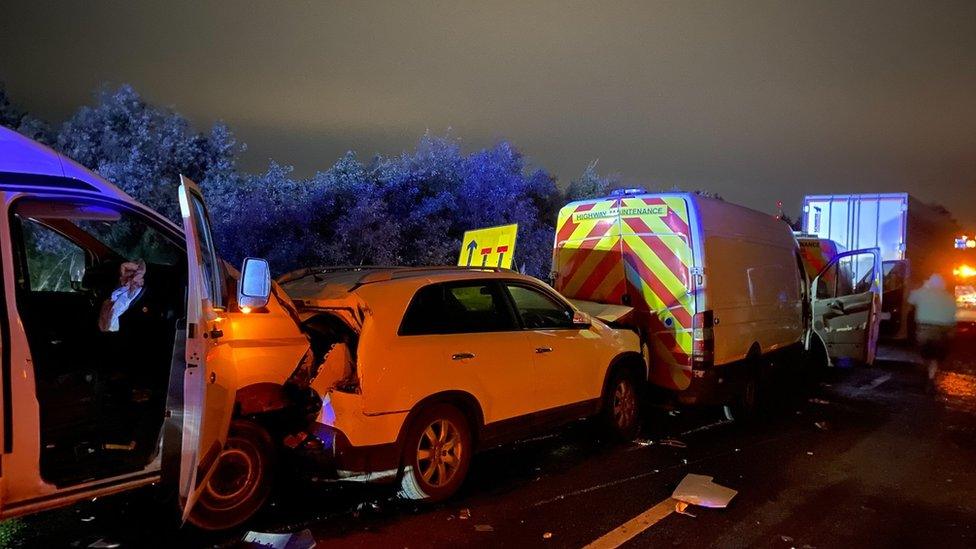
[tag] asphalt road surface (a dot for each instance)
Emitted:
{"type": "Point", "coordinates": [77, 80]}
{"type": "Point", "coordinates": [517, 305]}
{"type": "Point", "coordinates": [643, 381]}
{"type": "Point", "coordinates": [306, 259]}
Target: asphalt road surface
{"type": "Point", "coordinates": [866, 457]}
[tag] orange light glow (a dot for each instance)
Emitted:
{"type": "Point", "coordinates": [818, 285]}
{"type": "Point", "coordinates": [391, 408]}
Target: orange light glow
{"type": "Point", "coordinates": [964, 271]}
{"type": "Point", "coordinates": [245, 309]}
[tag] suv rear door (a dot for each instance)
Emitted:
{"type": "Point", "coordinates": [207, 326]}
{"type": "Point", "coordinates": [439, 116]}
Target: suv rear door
{"type": "Point", "coordinates": [210, 378]}
{"type": "Point", "coordinates": [846, 297]}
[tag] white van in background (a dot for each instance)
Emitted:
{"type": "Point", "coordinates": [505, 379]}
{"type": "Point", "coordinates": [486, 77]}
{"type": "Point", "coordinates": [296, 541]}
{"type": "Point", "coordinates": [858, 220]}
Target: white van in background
{"type": "Point", "coordinates": [181, 386]}
{"type": "Point", "coordinates": [717, 290]}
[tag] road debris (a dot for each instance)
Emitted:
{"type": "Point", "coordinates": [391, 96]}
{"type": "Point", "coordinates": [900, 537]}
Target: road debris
{"type": "Point", "coordinates": [822, 425]}
{"type": "Point", "coordinates": [547, 535]}
{"type": "Point", "coordinates": [483, 528]}
{"type": "Point", "coordinates": [681, 508]}
{"type": "Point", "coordinates": [818, 401]}
{"type": "Point", "coordinates": [643, 442]}
{"type": "Point", "coordinates": [674, 443]}
{"type": "Point", "coordinates": [104, 544]}
{"type": "Point", "coordinates": [708, 426]}
{"type": "Point", "coordinates": [700, 490]}
{"type": "Point", "coordinates": [268, 540]}
{"type": "Point", "coordinates": [465, 514]}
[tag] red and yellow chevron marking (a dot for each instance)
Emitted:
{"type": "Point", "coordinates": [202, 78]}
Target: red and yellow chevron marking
{"type": "Point", "coordinates": [640, 247]}
{"type": "Point", "coordinates": [587, 258]}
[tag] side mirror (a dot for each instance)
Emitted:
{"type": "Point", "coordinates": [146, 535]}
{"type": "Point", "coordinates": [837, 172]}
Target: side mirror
{"type": "Point", "coordinates": [254, 287]}
{"type": "Point", "coordinates": [582, 320]}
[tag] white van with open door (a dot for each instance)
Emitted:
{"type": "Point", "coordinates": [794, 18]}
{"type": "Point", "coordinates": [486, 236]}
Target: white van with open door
{"type": "Point", "coordinates": [846, 307]}
{"type": "Point", "coordinates": [126, 355]}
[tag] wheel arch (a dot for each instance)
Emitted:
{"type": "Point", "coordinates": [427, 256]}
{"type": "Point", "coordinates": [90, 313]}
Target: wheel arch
{"type": "Point", "coordinates": [260, 398]}
{"type": "Point", "coordinates": [462, 400]}
{"type": "Point", "coordinates": [631, 361]}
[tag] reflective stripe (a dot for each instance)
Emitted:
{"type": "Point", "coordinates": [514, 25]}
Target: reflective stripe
{"type": "Point", "coordinates": [639, 247]}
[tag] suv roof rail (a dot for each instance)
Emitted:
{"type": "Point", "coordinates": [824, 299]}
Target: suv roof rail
{"type": "Point", "coordinates": [381, 273]}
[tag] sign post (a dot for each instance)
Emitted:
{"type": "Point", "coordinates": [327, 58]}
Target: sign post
{"type": "Point", "coordinates": [495, 245]}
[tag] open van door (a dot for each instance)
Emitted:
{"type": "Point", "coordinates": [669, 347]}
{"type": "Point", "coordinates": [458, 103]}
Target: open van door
{"type": "Point", "coordinates": [847, 305]}
{"type": "Point", "coordinates": [209, 384]}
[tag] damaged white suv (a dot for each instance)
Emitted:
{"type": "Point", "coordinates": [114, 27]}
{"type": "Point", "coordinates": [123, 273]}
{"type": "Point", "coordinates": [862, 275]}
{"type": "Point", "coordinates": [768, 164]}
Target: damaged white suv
{"type": "Point", "coordinates": [420, 367]}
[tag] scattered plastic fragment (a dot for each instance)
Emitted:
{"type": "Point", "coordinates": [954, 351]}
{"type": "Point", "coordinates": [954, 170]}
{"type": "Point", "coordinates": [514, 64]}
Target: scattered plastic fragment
{"type": "Point", "coordinates": [267, 540]}
{"type": "Point", "coordinates": [681, 508]}
{"type": "Point", "coordinates": [818, 401]}
{"type": "Point", "coordinates": [105, 544]}
{"type": "Point", "coordinates": [483, 528]}
{"type": "Point", "coordinates": [786, 539]}
{"type": "Point", "coordinates": [822, 425]}
{"type": "Point", "coordinates": [674, 443]}
{"type": "Point", "coordinates": [88, 518]}
{"type": "Point", "coordinates": [465, 514]}
{"type": "Point", "coordinates": [809, 453]}
{"type": "Point", "coordinates": [643, 442]}
{"type": "Point", "coordinates": [700, 490]}
{"type": "Point", "coordinates": [547, 535]}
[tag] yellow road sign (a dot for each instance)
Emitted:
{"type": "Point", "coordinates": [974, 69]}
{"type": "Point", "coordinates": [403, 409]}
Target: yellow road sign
{"type": "Point", "coordinates": [489, 247]}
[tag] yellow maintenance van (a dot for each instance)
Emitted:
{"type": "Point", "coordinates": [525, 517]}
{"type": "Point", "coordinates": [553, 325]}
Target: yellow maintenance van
{"type": "Point", "coordinates": [714, 289]}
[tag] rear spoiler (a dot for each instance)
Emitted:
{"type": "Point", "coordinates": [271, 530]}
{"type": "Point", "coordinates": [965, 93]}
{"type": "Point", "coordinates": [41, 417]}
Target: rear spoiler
{"type": "Point", "coordinates": [611, 314]}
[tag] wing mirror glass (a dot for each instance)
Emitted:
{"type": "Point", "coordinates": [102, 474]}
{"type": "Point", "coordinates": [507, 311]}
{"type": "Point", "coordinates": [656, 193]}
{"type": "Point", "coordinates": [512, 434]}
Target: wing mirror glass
{"type": "Point", "coordinates": [582, 320]}
{"type": "Point", "coordinates": [254, 287]}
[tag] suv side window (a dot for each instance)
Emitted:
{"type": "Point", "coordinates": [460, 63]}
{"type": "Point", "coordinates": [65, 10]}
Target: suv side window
{"type": "Point", "coordinates": [538, 310]}
{"type": "Point", "coordinates": [456, 308]}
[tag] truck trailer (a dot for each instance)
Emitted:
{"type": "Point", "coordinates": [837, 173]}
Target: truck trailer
{"type": "Point", "coordinates": [915, 240]}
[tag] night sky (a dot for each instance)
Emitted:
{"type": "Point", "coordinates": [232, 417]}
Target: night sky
{"type": "Point", "coordinates": [758, 101]}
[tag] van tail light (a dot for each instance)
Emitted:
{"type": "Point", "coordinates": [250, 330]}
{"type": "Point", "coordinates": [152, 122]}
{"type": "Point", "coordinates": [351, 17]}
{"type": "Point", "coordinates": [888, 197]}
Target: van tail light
{"type": "Point", "coordinates": [703, 341]}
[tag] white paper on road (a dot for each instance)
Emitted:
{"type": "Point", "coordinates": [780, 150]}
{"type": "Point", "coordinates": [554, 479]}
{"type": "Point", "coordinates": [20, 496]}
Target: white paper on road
{"type": "Point", "coordinates": [266, 540]}
{"type": "Point", "coordinates": [700, 490]}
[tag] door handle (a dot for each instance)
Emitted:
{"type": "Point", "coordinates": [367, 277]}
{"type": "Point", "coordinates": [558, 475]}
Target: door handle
{"type": "Point", "coordinates": [543, 349]}
{"type": "Point", "coordinates": [462, 356]}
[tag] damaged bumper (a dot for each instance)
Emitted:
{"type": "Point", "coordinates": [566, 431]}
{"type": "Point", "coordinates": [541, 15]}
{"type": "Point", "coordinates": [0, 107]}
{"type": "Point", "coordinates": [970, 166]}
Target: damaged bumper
{"type": "Point", "coordinates": [345, 444]}
{"type": "Point", "coordinates": [327, 453]}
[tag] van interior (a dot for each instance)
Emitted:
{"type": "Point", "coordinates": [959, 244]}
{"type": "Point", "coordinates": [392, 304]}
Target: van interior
{"type": "Point", "coordinates": [101, 391]}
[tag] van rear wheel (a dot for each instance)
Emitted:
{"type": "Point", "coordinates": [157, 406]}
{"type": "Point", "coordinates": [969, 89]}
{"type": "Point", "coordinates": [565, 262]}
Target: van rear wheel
{"type": "Point", "coordinates": [745, 407]}
{"type": "Point", "coordinates": [241, 481]}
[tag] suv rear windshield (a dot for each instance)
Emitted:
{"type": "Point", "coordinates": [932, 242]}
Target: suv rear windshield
{"type": "Point", "coordinates": [456, 308]}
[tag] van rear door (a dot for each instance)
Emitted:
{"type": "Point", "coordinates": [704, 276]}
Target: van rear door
{"type": "Point", "coordinates": [209, 383]}
{"type": "Point", "coordinates": [658, 260]}
{"type": "Point", "coordinates": [846, 298]}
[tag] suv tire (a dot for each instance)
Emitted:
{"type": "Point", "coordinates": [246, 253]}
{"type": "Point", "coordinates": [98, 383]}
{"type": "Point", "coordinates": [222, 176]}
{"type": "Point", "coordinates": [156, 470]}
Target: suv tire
{"type": "Point", "coordinates": [437, 454]}
{"type": "Point", "coordinates": [622, 406]}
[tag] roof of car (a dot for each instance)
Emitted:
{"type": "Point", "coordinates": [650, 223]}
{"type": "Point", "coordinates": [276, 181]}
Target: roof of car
{"type": "Point", "coordinates": [338, 280]}
{"type": "Point", "coordinates": [27, 164]}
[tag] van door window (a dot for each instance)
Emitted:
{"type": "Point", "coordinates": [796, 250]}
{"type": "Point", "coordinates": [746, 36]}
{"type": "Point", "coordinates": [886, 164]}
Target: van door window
{"type": "Point", "coordinates": [101, 369]}
{"type": "Point", "coordinates": [212, 273]}
{"type": "Point", "coordinates": [457, 308]}
{"type": "Point", "coordinates": [54, 263]}
{"type": "Point", "coordinates": [850, 275]}
{"type": "Point", "coordinates": [539, 311]}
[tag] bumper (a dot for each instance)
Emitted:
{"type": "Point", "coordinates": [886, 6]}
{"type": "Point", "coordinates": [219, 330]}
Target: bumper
{"type": "Point", "coordinates": [326, 453]}
{"type": "Point", "coordinates": [716, 385]}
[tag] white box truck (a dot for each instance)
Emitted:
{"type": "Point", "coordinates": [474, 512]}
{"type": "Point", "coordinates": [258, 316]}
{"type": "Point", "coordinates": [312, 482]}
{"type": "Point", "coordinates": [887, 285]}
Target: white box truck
{"type": "Point", "coordinates": [915, 240]}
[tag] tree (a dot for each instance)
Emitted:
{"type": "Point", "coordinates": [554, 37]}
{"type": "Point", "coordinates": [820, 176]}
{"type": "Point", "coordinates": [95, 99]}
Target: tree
{"type": "Point", "coordinates": [19, 120]}
{"type": "Point", "coordinates": [590, 184]}
{"type": "Point", "coordinates": [143, 149]}
{"type": "Point", "coordinates": [409, 209]}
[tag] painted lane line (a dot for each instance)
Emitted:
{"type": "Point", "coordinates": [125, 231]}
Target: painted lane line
{"type": "Point", "coordinates": [707, 427]}
{"type": "Point", "coordinates": [633, 527]}
{"type": "Point", "coordinates": [874, 384]}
